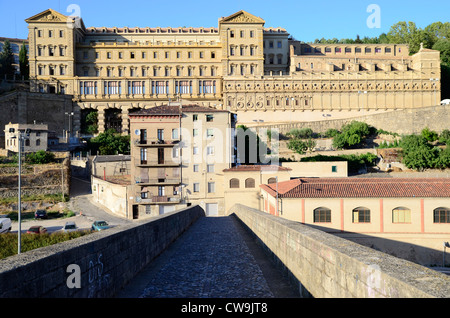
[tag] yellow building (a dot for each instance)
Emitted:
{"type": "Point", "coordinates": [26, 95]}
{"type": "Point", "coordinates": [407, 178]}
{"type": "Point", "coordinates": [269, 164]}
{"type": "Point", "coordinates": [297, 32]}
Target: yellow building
{"type": "Point", "coordinates": [178, 153]}
{"type": "Point", "coordinates": [241, 66]}
{"type": "Point", "coordinates": [406, 216]}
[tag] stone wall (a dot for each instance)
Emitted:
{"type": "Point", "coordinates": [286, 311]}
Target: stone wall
{"type": "Point", "coordinates": [327, 266]}
{"type": "Point", "coordinates": [35, 179]}
{"type": "Point", "coordinates": [26, 108]}
{"type": "Point", "coordinates": [404, 121]}
{"type": "Point", "coordinates": [106, 260]}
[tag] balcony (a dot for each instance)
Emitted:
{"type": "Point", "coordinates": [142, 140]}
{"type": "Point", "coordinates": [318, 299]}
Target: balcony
{"type": "Point", "coordinates": [158, 181]}
{"type": "Point", "coordinates": [155, 143]}
{"type": "Point", "coordinates": [165, 199]}
{"type": "Point", "coordinates": [157, 163]}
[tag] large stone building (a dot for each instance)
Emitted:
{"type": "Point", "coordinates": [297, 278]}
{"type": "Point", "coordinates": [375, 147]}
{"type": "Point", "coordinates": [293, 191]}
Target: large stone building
{"type": "Point", "coordinates": [241, 66]}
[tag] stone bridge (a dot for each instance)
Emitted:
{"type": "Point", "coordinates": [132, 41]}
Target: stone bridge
{"type": "Point", "coordinates": [184, 254]}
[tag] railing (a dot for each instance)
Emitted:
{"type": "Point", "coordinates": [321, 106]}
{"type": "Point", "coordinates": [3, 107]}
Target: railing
{"type": "Point", "coordinates": [159, 181]}
{"type": "Point", "coordinates": [158, 199]}
{"type": "Point", "coordinates": [156, 142]}
{"type": "Point", "coordinates": [169, 162]}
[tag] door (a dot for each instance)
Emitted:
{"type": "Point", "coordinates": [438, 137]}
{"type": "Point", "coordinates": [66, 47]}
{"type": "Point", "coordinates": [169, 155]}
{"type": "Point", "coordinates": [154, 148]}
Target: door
{"type": "Point", "coordinates": [166, 209]}
{"type": "Point", "coordinates": [212, 209]}
{"type": "Point", "coordinates": [135, 212]}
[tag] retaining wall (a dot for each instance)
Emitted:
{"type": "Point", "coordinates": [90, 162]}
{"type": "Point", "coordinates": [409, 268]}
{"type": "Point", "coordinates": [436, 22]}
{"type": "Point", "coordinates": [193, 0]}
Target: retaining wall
{"type": "Point", "coordinates": [327, 266]}
{"type": "Point", "coordinates": [107, 260]}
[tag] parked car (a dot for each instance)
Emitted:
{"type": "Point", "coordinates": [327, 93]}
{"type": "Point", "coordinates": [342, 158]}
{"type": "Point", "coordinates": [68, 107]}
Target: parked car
{"type": "Point", "coordinates": [445, 102]}
{"type": "Point", "coordinates": [69, 227]}
{"type": "Point", "coordinates": [100, 225]}
{"type": "Point", "coordinates": [37, 229]}
{"type": "Point", "coordinates": [5, 224]}
{"type": "Point", "coordinates": [40, 214]}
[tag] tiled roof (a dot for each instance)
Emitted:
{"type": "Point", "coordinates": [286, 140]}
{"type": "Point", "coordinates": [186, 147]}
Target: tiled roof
{"type": "Point", "coordinates": [257, 168]}
{"type": "Point", "coordinates": [361, 188]}
{"type": "Point", "coordinates": [174, 110]}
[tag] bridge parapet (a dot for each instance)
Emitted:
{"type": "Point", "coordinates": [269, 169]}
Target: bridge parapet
{"type": "Point", "coordinates": [327, 266]}
{"type": "Point", "coordinates": [94, 265]}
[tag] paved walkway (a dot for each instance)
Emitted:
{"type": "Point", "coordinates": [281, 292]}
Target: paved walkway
{"type": "Point", "coordinates": [215, 258]}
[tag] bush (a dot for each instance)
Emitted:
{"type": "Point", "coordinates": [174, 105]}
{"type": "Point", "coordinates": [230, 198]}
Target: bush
{"type": "Point", "coordinates": [40, 157]}
{"type": "Point", "coordinates": [444, 137]}
{"type": "Point", "coordinates": [330, 133]}
{"type": "Point", "coordinates": [429, 134]}
{"type": "Point", "coordinates": [351, 135]}
{"type": "Point", "coordinates": [355, 162]}
{"type": "Point", "coordinates": [303, 133]}
{"type": "Point", "coordinates": [8, 242]}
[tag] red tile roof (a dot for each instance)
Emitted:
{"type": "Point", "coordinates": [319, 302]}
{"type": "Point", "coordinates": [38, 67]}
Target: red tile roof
{"type": "Point", "coordinates": [174, 110]}
{"type": "Point", "coordinates": [361, 188]}
{"type": "Point", "coordinates": [257, 168]}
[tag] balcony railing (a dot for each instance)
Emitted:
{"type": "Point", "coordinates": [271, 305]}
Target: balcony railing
{"type": "Point", "coordinates": [156, 142]}
{"type": "Point", "coordinates": [158, 199]}
{"type": "Point", "coordinates": [155, 163]}
{"type": "Point", "coordinates": [158, 181]}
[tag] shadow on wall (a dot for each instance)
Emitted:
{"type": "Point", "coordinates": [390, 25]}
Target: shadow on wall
{"type": "Point", "coordinates": [415, 253]}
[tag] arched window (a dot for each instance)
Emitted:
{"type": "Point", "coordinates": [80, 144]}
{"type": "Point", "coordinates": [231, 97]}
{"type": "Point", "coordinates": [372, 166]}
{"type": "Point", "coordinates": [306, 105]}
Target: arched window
{"type": "Point", "coordinates": [401, 215]}
{"type": "Point", "coordinates": [234, 183]}
{"type": "Point", "coordinates": [361, 215]}
{"type": "Point", "coordinates": [250, 183]}
{"type": "Point", "coordinates": [272, 181]}
{"type": "Point", "coordinates": [322, 215]}
{"type": "Point", "coordinates": [441, 215]}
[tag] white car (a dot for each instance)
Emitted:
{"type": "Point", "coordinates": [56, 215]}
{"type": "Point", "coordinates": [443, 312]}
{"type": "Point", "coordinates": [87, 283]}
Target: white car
{"type": "Point", "coordinates": [70, 227]}
{"type": "Point", "coordinates": [5, 225]}
{"type": "Point", "coordinates": [445, 102]}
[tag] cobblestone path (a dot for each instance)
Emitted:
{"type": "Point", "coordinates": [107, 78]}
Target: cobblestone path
{"type": "Point", "coordinates": [211, 260]}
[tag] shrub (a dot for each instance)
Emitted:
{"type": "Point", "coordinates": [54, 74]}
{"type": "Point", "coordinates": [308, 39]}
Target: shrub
{"type": "Point", "coordinates": [40, 157]}
{"type": "Point", "coordinates": [444, 137]}
{"type": "Point", "coordinates": [351, 135]}
{"type": "Point", "coordinates": [429, 134]}
{"type": "Point", "coordinates": [301, 133]}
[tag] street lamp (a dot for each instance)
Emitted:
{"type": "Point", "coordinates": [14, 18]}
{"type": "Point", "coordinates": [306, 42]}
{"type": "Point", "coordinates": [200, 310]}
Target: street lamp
{"type": "Point", "coordinates": [70, 123]}
{"type": "Point", "coordinates": [21, 137]}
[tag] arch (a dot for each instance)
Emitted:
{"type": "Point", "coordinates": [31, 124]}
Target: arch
{"type": "Point", "coordinates": [361, 215]}
{"type": "Point", "coordinates": [441, 215]}
{"type": "Point", "coordinates": [234, 183]}
{"type": "Point", "coordinates": [322, 215]}
{"type": "Point", "coordinates": [250, 183]}
{"type": "Point", "coordinates": [401, 215]}
{"type": "Point", "coordinates": [272, 180]}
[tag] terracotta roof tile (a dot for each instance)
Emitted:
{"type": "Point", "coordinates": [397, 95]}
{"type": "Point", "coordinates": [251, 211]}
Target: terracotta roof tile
{"type": "Point", "coordinates": [257, 168]}
{"type": "Point", "coordinates": [174, 110]}
{"type": "Point", "coordinates": [361, 188]}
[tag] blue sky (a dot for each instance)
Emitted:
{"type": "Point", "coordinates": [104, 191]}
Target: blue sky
{"type": "Point", "coordinates": [305, 20]}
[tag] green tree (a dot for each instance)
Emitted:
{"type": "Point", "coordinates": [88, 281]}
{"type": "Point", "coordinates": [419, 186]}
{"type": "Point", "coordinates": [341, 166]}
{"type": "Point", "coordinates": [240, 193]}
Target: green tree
{"type": "Point", "coordinates": [443, 46]}
{"type": "Point", "coordinates": [429, 134]}
{"type": "Point", "coordinates": [6, 61]}
{"type": "Point", "coordinates": [23, 62]}
{"type": "Point", "coordinates": [351, 135]}
{"type": "Point", "coordinates": [110, 143]}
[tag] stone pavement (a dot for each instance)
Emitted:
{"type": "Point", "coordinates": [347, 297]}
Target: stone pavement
{"type": "Point", "coordinates": [215, 258]}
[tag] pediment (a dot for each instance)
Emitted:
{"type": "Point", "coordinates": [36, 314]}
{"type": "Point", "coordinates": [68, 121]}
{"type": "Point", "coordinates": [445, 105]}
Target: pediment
{"type": "Point", "coordinates": [48, 16]}
{"type": "Point", "coordinates": [242, 17]}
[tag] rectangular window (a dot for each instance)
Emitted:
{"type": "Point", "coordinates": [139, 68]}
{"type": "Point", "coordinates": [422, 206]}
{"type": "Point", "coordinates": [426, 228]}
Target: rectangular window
{"type": "Point", "coordinates": [195, 150]}
{"type": "Point", "coordinates": [441, 215]}
{"type": "Point", "coordinates": [194, 132]}
{"type": "Point", "coordinates": [401, 215]}
{"type": "Point", "coordinates": [322, 215]}
{"type": "Point", "coordinates": [334, 169]}
{"type": "Point", "coordinates": [207, 87]}
{"type": "Point", "coordinates": [160, 87]}
{"type": "Point", "coordinates": [113, 87]}
{"type": "Point", "coordinates": [195, 168]}
{"type": "Point", "coordinates": [209, 118]}
{"type": "Point", "coordinates": [210, 168]}
{"type": "Point", "coordinates": [183, 87]}
{"type": "Point", "coordinates": [361, 215]}
{"type": "Point", "coordinates": [196, 187]}
{"type": "Point", "coordinates": [211, 187]}
{"type": "Point", "coordinates": [210, 150]}
{"type": "Point", "coordinates": [194, 117]}
{"type": "Point", "coordinates": [209, 133]}
{"type": "Point", "coordinates": [131, 55]}
{"type": "Point", "coordinates": [136, 87]}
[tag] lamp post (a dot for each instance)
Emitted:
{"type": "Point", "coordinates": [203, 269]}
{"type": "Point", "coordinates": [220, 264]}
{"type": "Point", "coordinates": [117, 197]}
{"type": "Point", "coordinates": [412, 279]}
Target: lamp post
{"type": "Point", "coordinates": [70, 123]}
{"type": "Point", "coordinates": [20, 137]}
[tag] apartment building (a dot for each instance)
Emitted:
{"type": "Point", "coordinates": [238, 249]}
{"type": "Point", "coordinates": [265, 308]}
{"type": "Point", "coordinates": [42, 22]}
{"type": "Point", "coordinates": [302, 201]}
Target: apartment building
{"type": "Point", "coordinates": [35, 137]}
{"type": "Point", "coordinates": [178, 153]}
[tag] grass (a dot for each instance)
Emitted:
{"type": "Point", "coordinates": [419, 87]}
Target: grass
{"type": "Point", "coordinates": [50, 198]}
{"type": "Point", "coordinates": [9, 243]}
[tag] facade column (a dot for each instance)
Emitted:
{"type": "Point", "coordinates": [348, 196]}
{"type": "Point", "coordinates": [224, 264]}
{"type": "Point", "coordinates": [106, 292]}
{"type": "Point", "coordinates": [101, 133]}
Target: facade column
{"type": "Point", "coordinates": [101, 119]}
{"type": "Point", "coordinates": [125, 120]}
